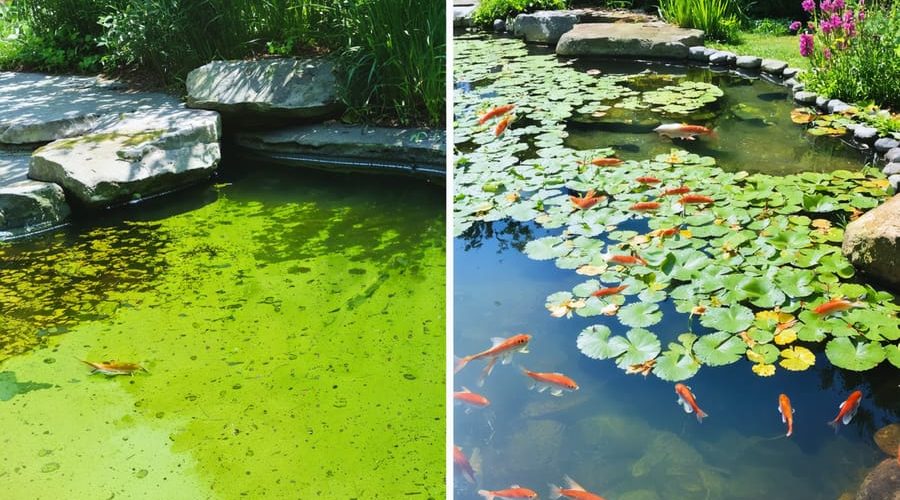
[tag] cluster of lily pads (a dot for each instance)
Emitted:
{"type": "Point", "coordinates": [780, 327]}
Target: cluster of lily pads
{"type": "Point", "coordinates": [745, 270]}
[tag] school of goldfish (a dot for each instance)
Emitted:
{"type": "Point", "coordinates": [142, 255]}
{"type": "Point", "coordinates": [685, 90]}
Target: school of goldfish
{"type": "Point", "coordinates": [557, 383]}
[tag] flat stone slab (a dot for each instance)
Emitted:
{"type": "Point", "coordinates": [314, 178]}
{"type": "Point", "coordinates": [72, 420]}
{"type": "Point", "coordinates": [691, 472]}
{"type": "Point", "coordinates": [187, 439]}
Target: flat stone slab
{"type": "Point", "coordinates": [722, 58]}
{"type": "Point", "coordinates": [280, 88]}
{"type": "Point", "coordinates": [773, 66]}
{"type": "Point", "coordinates": [139, 155]}
{"type": "Point", "coordinates": [352, 147]}
{"type": "Point", "coordinates": [544, 26]}
{"type": "Point", "coordinates": [655, 40]}
{"type": "Point", "coordinates": [700, 53]}
{"type": "Point", "coordinates": [872, 242]}
{"type": "Point", "coordinates": [748, 62]}
{"type": "Point", "coordinates": [804, 97]}
{"type": "Point", "coordinates": [37, 108]}
{"type": "Point", "coordinates": [27, 206]}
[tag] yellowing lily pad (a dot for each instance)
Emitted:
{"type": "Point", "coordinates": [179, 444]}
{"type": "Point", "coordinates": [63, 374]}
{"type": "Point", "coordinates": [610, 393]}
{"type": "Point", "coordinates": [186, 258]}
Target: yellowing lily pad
{"type": "Point", "coordinates": [785, 336]}
{"type": "Point", "coordinates": [797, 358]}
{"type": "Point", "coordinates": [763, 370]}
{"type": "Point", "coordinates": [802, 115]}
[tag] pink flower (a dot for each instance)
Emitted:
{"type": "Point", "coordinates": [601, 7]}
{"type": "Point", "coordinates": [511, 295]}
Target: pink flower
{"type": "Point", "coordinates": [806, 45]}
{"type": "Point", "coordinates": [794, 26]}
{"type": "Point", "coordinates": [808, 5]}
{"type": "Point", "coordinates": [826, 6]}
{"type": "Point", "coordinates": [827, 53]}
{"type": "Point", "coordinates": [862, 15]}
{"type": "Point", "coordinates": [838, 4]}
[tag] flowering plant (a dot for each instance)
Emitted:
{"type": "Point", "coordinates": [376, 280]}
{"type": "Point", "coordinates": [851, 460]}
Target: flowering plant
{"type": "Point", "coordinates": [831, 30]}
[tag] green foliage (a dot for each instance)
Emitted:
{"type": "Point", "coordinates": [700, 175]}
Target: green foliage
{"type": "Point", "coordinates": [769, 26]}
{"type": "Point", "coordinates": [868, 70]}
{"type": "Point", "coordinates": [767, 46]}
{"type": "Point", "coordinates": [488, 10]}
{"type": "Point", "coordinates": [718, 18]}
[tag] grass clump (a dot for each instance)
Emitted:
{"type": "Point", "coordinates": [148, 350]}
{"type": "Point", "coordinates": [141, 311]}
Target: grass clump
{"type": "Point", "coordinates": [489, 10]}
{"type": "Point", "coordinates": [719, 19]}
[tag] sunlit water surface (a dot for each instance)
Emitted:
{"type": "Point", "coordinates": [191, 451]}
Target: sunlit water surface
{"type": "Point", "coordinates": [292, 325]}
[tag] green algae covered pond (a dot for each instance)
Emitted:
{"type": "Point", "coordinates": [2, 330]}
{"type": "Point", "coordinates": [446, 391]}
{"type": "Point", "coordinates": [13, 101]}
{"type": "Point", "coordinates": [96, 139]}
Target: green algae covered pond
{"type": "Point", "coordinates": [292, 329]}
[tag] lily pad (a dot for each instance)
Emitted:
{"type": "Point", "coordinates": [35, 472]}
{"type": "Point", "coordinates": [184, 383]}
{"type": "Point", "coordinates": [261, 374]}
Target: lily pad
{"type": "Point", "coordinates": [797, 358]}
{"type": "Point", "coordinates": [642, 345]}
{"type": "Point", "coordinates": [730, 319]}
{"type": "Point", "coordinates": [719, 348]}
{"type": "Point", "coordinates": [594, 342]}
{"type": "Point", "coordinates": [640, 314]}
{"type": "Point", "coordinates": [856, 356]}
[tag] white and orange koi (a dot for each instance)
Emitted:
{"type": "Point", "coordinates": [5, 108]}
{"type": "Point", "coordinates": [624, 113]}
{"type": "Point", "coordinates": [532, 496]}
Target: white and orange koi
{"type": "Point", "coordinates": [687, 400]}
{"type": "Point", "coordinates": [683, 131]}
{"type": "Point", "coordinates": [787, 413]}
{"type": "Point", "coordinates": [848, 410]}
{"type": "Point", "coordinates": [502, 349]}
{"type": "Point", "coordinates": [572, 491]}
{"type": "Point", "coordinates": [836, 305]}
{"type": "Point", "coordinates": [557, 383]}
{"type": "Point", "coordinates": [514, 491]}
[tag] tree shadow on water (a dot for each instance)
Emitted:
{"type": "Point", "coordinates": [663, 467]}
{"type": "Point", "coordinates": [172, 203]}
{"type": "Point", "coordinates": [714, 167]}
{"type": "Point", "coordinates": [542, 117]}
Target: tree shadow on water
{"type": "Point", "coordinates": [10, 387]}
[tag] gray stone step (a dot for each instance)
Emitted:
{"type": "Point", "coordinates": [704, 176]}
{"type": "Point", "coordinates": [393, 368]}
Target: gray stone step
{"type": "Point", "coordinates": [654, 40]}
{"type": "Point", "coordinates": [27, 206]}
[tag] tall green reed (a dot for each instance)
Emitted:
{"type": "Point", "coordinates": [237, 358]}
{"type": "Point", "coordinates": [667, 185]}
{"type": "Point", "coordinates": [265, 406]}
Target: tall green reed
{"type": "Point", "coordinates": [717, 18]}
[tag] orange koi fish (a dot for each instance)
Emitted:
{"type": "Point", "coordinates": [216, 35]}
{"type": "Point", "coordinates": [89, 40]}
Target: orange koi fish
{"type": "Point", "coordinates": [502, 349]}
{"type": "Point", "coordinates": [556, 382]}
{"type": "Point", "coordinates": [648, 180]}
{"type": "Point", "coordinates": [686, 399]}
{"type": "Point", "coordinates": [514, 491]}
{"type": "Point", "coordinates": [787, 413]}
{"type": "Point", "coordinates": [662, 233]}
{"type": "Point", "coordinates": [587, 201]}
{"type": "Point", "coordinates": [461, 463]}
{"type": "Point", "coordinates": [645, 206]}
{"type": "Point", "coordinates": [573, 491]}
{"type": "Point", "coordinates": [676, 191]}
{"type": "Point", "coordinates": [501, 125]}
{"type": "Point", "coordinates": [694, 198]}
{"type": "Point", "coordinates": [836, 305]}
{"type": "Point", "coordinates": [112, 368]}
{"type": "Point", "coordinates": [683, 131]}
{"type": "Point", "coordinates": [499, 110]}
{"type": "Point", "coordinates": [603, 292]}
{"type": "Point", "coordinates": [470, 398]}
{"type": "Point", "coordinates": [604, 162]}
{"type": "Point", "coordinates": [625, 260]}
{"type": "Point", "coordinates": [848, 410]}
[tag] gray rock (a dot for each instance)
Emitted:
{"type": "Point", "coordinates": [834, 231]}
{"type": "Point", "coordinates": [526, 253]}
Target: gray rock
{"type": "Point", "coordinates": [822, 102]}
{"type": "Point", "coordinates": [836, 106]}
{"type": "Point", "coordinates": [140, 155]}
{"type": "Point", "coordinates": [462, 15]}
{"type": "Point", "coordinates": [371, 148]}
{"type": "Point", "coordinates": [791, 83]}
{"type": "Point", "coordinates": [748, 62]}
{"type": "Point", "coordinates": [266, 88]}
{"type": "Point", "coordinates": [773, 66]}
{"type": "Point", "coordinates": [872, 242]}
{"type": "Point", "coordinates": [894, 181]}
{"type": "Point", "coordinates": [722, 58]}
{"type": "Point", "coordinates": [658, 40]}
{"type": "Point", "coordinates": [885, 143]}
{"type": "Point", "coordinates": [27, 206]}
{"type": "Point", "coordinates": [499, 25]}
{"type": "Point", "coordinates": [892, 168]}
{"type": "Point", "coordinates": [883, 483]}
{"type": "Point", "coordinates": [700, 53]}
{"type": "Point", "coordinates": [865, 134]}
{"type": "Point", "coordinates": [804, 97]}
{"type": "Point", "coordinates": [892, 155]}
{"type": "Point", "coordinates": [36, 108]}
{"type": "Point", "coordinates": [790, 72]}
{"type": "Point", "coordinates": [544, 26]}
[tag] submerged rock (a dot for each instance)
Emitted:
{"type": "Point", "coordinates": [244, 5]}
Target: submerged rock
{"type": "Point", "coordinates": [138, 156]}
{"type": "Point", "coordinates": [544, 26]}
{"type": "Point", "coordinates": [872, 242]}
{"type": "Point", "coordinates": [888, 439]}
{"type": "Point", "coordinates": [27, 206]}
{"type": "Point", "coordinates": [657, 40]}
{"type": "Point", "coordinates": [267, 88]}
{"type": "Point", "coordinates": [883, 483]}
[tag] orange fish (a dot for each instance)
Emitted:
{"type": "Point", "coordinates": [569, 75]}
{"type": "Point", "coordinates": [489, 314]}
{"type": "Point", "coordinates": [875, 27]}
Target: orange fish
{"type": "Point", "coordinates": [787, 413]}
{"type": "Point", "coordinates": [686, 399]}
{"type": "Point", "coordinates": [605, 162]}
{"type": "Point", "coordinates": [502, 349]}
{"type": "Point", "coordinates": [462, 464]}
{"type": "Point", "coordinates": [683, 131]}
{"type": "Point", "coordinates": [694, 198]}
{"type": "Point", "coordinates": [676, 191]}
{"type": "Point", "coordinates": [587, 201]}
{"type": "Point", "coordinates": [514, 491]}
{"type": "Point", "coordinates": [573, 491]}
{"type": "Point", "coordinates": [499, 110]}
{"type": "Point", "coordinates": [848, 410]}
{"type": "Point", "coordinates": [556, 382]}
{"type": "Point", "coordinates": [470, 398]}
{"type": "Point", "coordinates": [603, 292]}
{"type": "Point", "coordinates": [501, 125]}
{"type": "Point", "coordinates": [662, 233]}
{"type": "Point", "coordinates": [645, 206]}
{"type": "Point", "coordinates": [625, 260]}
{"type": "Point", "coordinates": [111, 368]}
{"type": "Point", "coordinates": [836, 305]}
{"type": "Point", "coordinates": [648, 180]}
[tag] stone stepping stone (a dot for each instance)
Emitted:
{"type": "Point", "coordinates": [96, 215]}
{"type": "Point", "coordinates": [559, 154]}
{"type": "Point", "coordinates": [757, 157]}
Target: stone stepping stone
{"type": "Point", "coordinates": [654, 40]}
{"type": "Point", "coordinates": [266, 89]}
{"type": "Point", "coordinates": [748, 62]}
{"type": "Point", "coordinates": [37, 108]}
{"type": "Point", "coordinates": [139, 155]}
{"type": "Point", "coordinates": [27, 206]}
{"type": "Point", "coordinates": [545, 26]}
{"type": "Point", "coordinates": [412, 151]}
{"type": "Point", "coordinates": [773, 66]}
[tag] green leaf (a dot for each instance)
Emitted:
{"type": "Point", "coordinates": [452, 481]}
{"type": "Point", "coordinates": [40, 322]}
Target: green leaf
{"type": "Point", "coordinates": [675, 367]}
{"type": "Point", "coordinates": [731, 319]}
{"type": "Point", "coordinates": [892, 353]}
{"type": "Point", "coordinates": [640, 314]}
{"type": "Point", "coordinates": [549, 247]}
{"type": "Point", "coordinates": [643, 345]}
{"type": "Point", "coordinates": [594, 342]}
{"type": "Point", "coordinates": [719, 348]}
{"type": "Point", "coordinates": [818, 203]}
{"type": "Point", "coordinates": [844, 353]}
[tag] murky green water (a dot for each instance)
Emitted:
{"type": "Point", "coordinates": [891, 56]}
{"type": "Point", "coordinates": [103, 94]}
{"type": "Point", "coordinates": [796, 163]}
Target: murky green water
{"type": "Point", "coordinates": [292, 325]}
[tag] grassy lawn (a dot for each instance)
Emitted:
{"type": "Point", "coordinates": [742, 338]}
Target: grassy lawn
{"type": "Point", "coordinates": [785, 48]}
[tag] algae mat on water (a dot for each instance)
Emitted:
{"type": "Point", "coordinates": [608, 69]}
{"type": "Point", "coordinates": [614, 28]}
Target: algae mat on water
{"type": "Point", "coordinates": [293, 335]}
